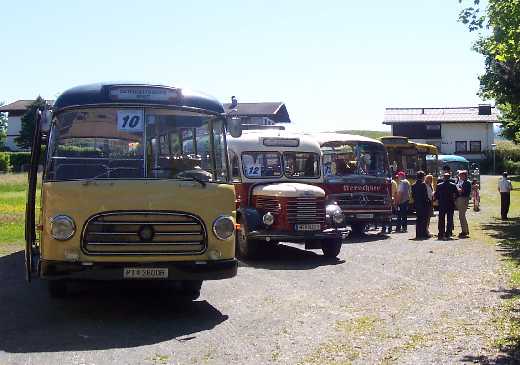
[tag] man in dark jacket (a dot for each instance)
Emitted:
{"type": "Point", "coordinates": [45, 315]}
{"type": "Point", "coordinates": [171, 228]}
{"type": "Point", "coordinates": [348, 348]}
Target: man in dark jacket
{"type": "Point", "coordinates": [446, 194]}
{"type": "Point", "coordinates": [462, 202]}
{"type": "Point", "coordinates": [422, 206]}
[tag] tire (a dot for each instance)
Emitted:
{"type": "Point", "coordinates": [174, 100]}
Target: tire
{"type": "Point", "coordinates": [358, 229]}
{"type": "Point", "coordinates": [191, 290]}
{"type": "Point", "coordinates": [331, 248]}
{"type": "Point", "coordinates": [57, 289]}
{"type": "Point", "coordinates": [246, 248]}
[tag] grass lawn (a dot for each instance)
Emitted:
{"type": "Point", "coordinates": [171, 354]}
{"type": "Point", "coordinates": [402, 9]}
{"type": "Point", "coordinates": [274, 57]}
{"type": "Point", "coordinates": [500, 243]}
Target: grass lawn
{"type": "Point", "coordinates": [488, 226]}
{"type": "Point", "coordinates": [13, 193]}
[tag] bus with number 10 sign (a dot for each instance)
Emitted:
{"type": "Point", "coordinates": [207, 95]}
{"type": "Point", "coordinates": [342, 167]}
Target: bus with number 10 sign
{"type": "Point", "coordinates": [122, 199]}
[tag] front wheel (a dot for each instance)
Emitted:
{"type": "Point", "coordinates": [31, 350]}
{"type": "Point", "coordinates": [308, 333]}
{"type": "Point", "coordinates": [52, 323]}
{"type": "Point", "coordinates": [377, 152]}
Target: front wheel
{"type": "Point", "coordinates": [358, 229]}
{"type": "Point", "coordinates": [191, 289]}
{"type": "Point", "coordinates": [331, 248]}
{"type": "Point", "coordinates": [247, 248]}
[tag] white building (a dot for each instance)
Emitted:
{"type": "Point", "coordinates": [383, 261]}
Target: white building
{"type": "Point", "coordinates": [15, 112]}
{"type": "Point", "coordinates": [464, 131]}
{"type": "Point", "coordinates": [264, 113]}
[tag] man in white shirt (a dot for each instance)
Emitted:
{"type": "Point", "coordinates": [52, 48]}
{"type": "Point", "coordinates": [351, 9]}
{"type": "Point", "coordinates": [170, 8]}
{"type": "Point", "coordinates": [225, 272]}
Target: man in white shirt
{"type": "Point", "coordinates": [504, 188]}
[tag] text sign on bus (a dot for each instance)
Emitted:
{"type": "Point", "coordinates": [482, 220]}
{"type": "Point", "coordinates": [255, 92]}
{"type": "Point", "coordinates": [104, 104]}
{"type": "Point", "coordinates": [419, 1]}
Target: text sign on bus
{"type": "Point", "coordinates": [136, 93]}
{"type": "Point", "coordinates": [130, 120]}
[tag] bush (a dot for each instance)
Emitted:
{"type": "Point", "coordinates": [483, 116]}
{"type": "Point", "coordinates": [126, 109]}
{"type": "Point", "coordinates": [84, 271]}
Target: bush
{"type": "Point", "coordinates": [19, 160]}
{"type": "Point", "coordinates": [512, 167]}
{"type": "Point", "coordinates": [4, 161]}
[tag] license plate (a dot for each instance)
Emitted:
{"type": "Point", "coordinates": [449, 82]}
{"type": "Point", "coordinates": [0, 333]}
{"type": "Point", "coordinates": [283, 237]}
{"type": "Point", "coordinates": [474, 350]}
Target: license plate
{"type": "Point", "coordinates": [145, 273]}
{"type": "Point", "coordinates": [308, 227]}
{"type": "Point", "coordinates": [365, 216]}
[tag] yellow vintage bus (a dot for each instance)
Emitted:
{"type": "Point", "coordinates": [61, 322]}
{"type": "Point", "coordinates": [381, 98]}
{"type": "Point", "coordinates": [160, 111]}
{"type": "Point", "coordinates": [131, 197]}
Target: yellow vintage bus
{"type": "Point", "coordinates": [410, 157]}
{"type": "Point", "coordinates": [122, 199]}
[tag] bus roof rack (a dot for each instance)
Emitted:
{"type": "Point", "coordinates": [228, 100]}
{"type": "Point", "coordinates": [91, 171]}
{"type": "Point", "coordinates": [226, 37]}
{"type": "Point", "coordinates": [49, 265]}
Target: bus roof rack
{"type": "Point", "coordinates": [253, 127]}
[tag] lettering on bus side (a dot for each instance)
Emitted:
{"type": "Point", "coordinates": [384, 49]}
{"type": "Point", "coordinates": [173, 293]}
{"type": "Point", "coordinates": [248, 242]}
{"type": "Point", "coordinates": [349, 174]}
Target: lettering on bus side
{"type": "Point", "coordinates": [362, 188]}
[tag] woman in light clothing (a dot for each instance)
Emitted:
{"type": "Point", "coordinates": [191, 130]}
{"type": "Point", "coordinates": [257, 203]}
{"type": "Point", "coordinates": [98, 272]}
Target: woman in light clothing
{"type": "Point", "coordinates": [428, 180]}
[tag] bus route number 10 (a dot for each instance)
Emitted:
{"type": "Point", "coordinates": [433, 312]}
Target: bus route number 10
{"type": "Point", "coordinates": [130, 120]}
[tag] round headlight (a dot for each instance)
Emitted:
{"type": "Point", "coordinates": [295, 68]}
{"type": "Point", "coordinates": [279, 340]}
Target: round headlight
{"type": "Point", "coordinates": [62, 227]}
{"type": "Point", "coordinates": [268, 219]}
{"type": "Point", "coordinates": [335, 213]}
{"type": "Point", "coordinates": [223, 227]}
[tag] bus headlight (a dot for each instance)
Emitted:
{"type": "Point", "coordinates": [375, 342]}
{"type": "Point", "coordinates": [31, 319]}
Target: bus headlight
{"type": "Point", "coordinates": [268, 219]}
{"type": "Point", "coordinates": [223, 227]}
{"type": "Point", "coordinates": [62, 227]}
{"type": "Point", "coordinates": [335, 213]}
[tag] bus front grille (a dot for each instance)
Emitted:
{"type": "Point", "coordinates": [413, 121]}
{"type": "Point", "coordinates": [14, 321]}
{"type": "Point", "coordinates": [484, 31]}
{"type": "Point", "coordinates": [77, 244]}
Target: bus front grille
{"type": "Point", "coordinates": [360, 200]}
{"type": "Point", "coordinates": [306, 210]}
{"type": "Point", "coordinates": [144, 233]}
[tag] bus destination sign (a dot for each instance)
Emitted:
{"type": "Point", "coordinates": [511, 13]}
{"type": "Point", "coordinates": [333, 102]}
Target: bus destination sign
{"type": "Point", "coordinates": [143, 93]}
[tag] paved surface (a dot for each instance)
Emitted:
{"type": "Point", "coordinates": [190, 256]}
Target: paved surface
{"type": "Point", "coordinates": [386, 300]}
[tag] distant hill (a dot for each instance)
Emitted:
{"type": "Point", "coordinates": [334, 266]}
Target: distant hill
{"type": "Point", "coordinates": [370, 134]}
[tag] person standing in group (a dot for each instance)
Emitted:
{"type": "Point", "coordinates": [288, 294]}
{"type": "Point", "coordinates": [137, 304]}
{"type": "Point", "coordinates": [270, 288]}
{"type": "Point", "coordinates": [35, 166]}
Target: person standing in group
{"type": "Point", "coordinates": [475, 194]}
{"type": "Point", "coordinates": [504, 188]}
{"type": "Point", "coordinates": [422, 206]}
{"type": "Point", "coordinates": [462, 202]}
{"type": "Point", "coordinates": [387, 228]}
{"type": "Point", "coordinates": [445, 194]}
{"type": "Point", "coordinates": [428, 180]}
{"type": "Point", "coordinates": [403, 198]}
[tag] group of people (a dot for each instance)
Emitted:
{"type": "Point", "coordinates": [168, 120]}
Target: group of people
{"type": "Point", "coordinates": [448, 194]}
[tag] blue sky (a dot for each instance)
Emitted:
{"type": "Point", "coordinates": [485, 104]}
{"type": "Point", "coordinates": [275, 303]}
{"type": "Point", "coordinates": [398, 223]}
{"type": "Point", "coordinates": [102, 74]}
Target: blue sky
{"type": "Point", "coordinates": [336, 64]}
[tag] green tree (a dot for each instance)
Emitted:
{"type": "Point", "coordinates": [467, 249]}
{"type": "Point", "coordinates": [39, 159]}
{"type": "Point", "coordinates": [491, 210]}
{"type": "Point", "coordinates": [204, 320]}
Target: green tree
{"type": "Point", "coordinates": [24, 140]}
{"type": "Point", "coordinates": [498, 41]}
{"type": "Point", "coordinates": [3, 129]}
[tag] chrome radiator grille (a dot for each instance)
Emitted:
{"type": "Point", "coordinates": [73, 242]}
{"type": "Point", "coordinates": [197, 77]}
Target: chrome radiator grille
{"type": "Point", "coordinates": [360, 200]}
{"type": "Point", "coordinates": [268, 204]}
{"type": "Point", "coordinates": [142, 232]}
{"type": "Point", "coordinates": [306, 210]}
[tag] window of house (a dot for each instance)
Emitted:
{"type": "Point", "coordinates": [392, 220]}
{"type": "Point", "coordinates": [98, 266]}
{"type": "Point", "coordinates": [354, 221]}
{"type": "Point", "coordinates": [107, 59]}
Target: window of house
{"type": "Point", "coordinates": [475, 146]}
{"type": "Point", "coordinates": [461, 146]}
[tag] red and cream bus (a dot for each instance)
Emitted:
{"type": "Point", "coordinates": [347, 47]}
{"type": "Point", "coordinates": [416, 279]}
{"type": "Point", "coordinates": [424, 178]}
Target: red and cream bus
{"type": "Point", "coordinates": [277, 176]}
{"type": "Point", "coordinates": [357, 178]}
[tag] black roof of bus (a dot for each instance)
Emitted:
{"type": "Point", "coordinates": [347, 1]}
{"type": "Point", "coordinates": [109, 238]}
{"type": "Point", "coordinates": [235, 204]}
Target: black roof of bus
{"type": "Point", "coordinates": [100, 94]}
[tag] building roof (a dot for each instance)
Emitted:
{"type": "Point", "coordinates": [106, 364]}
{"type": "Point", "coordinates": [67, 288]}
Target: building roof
{"type": "Point", "coordinates": [19, 106]}
{"type": "Point", "coordinates": [276, 111]}
{"type": "Point", "coordinates": [440, 115]}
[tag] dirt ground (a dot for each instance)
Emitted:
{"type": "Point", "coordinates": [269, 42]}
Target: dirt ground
{"type": "Point", "coordinates": [387, 299]}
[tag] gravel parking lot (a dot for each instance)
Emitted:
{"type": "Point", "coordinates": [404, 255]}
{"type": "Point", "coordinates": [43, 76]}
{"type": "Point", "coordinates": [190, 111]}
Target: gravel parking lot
{"type": "Point", "coordinates": [388, 299]}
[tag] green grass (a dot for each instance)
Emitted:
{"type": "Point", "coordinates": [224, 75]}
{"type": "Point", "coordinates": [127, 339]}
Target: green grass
{"type": "Point", "coordinates": [13, 193]}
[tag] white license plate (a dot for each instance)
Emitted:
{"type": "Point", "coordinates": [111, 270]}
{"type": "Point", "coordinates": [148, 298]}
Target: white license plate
{"type": "Point", "coordinates": [145, 273]}
{"type": "Point", "coordinates": [365, 216]}
{"type": "Point", "coordinates": [307, 227]}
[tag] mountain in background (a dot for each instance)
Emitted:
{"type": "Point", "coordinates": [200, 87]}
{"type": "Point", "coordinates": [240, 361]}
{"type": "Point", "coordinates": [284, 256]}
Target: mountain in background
{"type": "Point", "coordinates": [365, 133]}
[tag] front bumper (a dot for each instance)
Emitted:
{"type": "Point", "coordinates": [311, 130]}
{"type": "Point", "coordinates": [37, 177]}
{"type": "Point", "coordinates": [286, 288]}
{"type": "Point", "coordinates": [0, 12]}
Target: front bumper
{"type": "Point", "coordinates": [191, 270]}
{"type": "Point", "coordinates": [297, 237]}
{"type": "Point", "coordinates": [367, 217]}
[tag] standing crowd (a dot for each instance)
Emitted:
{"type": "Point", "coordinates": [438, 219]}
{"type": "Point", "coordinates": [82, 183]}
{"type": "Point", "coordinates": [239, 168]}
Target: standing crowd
{"type": "Point", "coordinates": [449, 194]}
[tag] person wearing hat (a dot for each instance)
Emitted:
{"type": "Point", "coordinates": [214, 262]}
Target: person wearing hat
{"type": "Point", "coordinates": [504, 188]}
{"type": "Point", "coordinates": [462, 202]}
{"type": "Point", "coordinates": [446, 194]}
{"type": "Point", "coordinates": [403, 198]}
{"type": "Point", "coordinates": [422, 206]}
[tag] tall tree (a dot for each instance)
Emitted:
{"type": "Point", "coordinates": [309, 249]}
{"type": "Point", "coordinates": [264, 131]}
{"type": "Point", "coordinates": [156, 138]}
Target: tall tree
{"type": "Point", "coordinates": [498, 41]}
{"type": "Point", "coordinates": [3, 129]}
{"type": "Point", "coordinates": [24, 140]}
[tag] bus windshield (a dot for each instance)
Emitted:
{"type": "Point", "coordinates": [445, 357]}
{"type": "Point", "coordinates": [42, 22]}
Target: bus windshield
{"type": "Point", "coordinates": [133, 143]}
{"type": "Point", "coordinates": [344, 159]}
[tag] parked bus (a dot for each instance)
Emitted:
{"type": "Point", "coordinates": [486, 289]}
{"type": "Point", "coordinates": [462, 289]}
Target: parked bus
{"type": "Point", "coordinates": [410, 157]}
{"type": "Point", "coordinates": [357, 178]}
{"type": "Point", "coordinates": [276, 174]}
{"type": "Point", "coordinates": [121, 199]}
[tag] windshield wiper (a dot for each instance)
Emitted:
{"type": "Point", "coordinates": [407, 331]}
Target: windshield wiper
{"type": "Point", "coordinates": [107, 172]}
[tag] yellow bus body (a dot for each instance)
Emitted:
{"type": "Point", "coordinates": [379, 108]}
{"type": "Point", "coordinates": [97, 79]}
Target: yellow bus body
{"type": "Point", "coordinates": [80, 200]}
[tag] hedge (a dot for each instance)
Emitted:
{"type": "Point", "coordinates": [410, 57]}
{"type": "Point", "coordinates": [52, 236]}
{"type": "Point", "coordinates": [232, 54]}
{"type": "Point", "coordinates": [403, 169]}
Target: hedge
{"type": "Point", "coordinates": [4, 161]}
{"type": "Point", "coordinates": [20, 161]}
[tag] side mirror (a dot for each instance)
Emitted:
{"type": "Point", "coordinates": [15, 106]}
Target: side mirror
{"type": "Point", "coordinates": [234, 126]}
{"type": "Point", "coordinates": [45, 121]}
